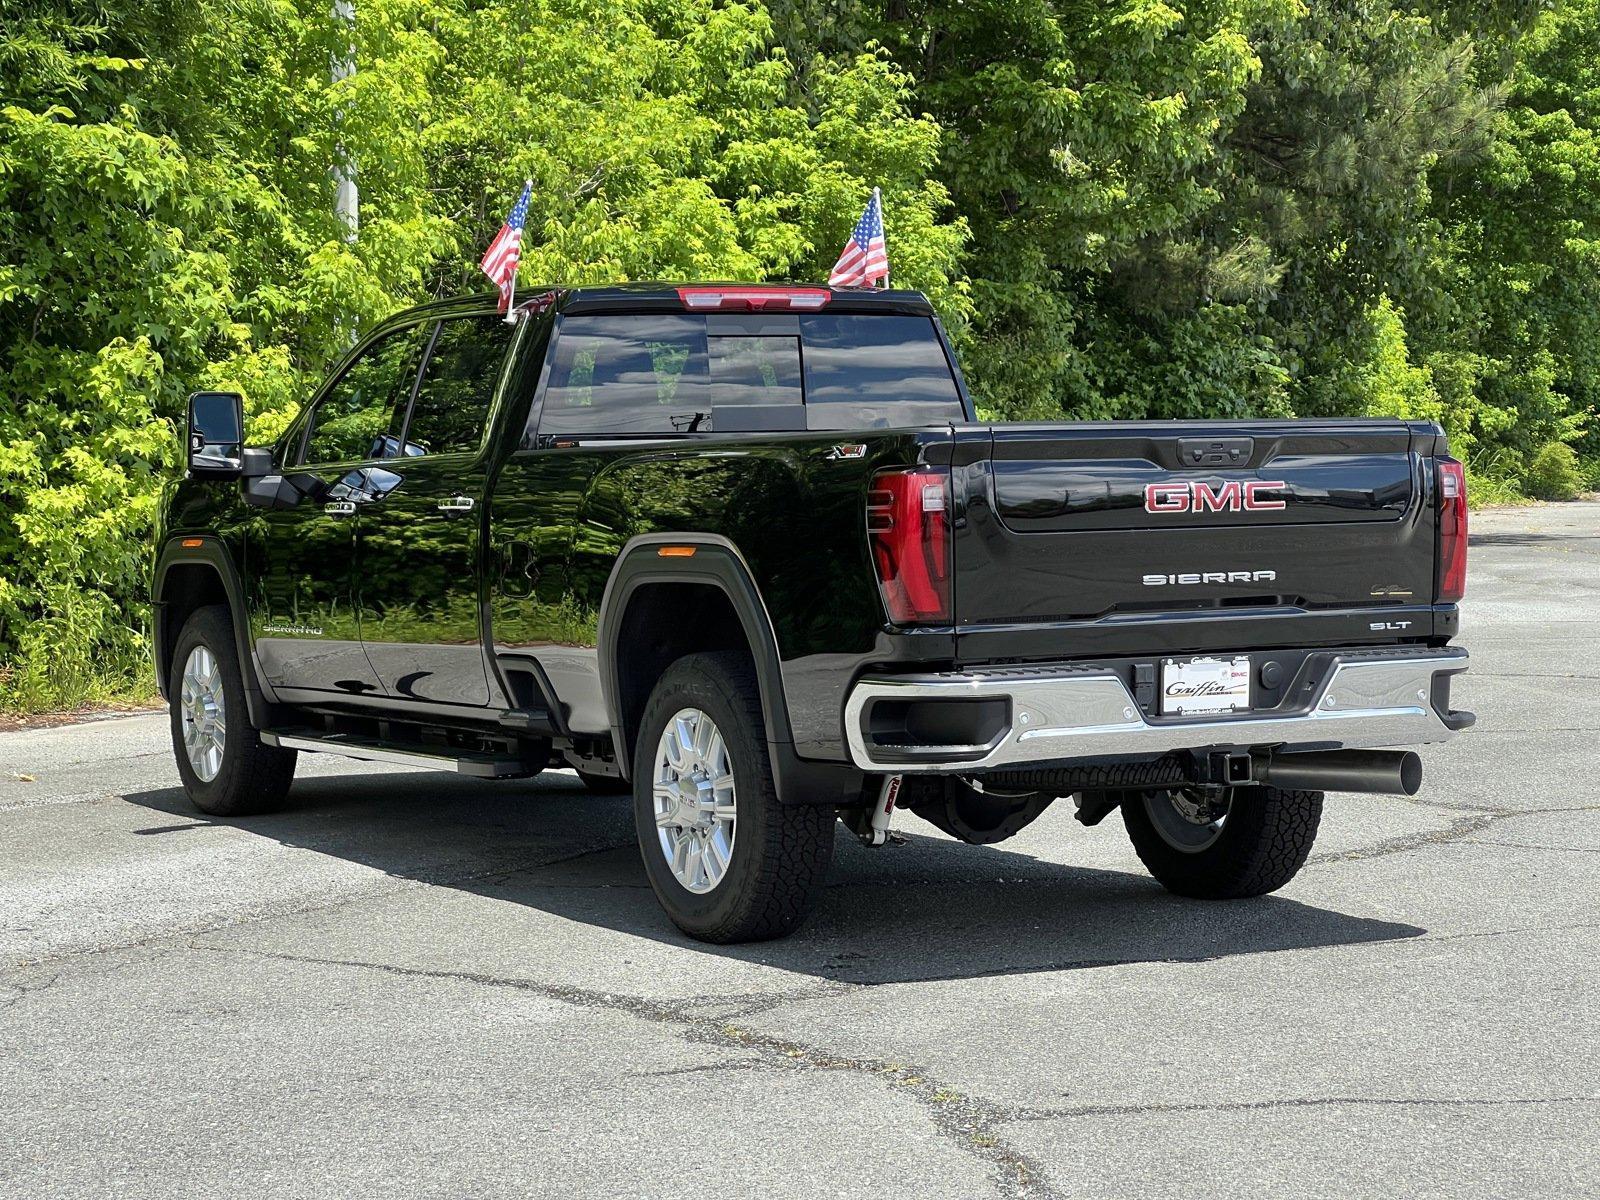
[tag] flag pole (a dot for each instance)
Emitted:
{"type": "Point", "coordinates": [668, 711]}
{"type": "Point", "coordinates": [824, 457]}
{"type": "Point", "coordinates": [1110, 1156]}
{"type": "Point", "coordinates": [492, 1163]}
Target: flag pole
{"type": "Point", "coordinates": [878, 200]}
{"type": "Point", "coordinates": [511, 299]}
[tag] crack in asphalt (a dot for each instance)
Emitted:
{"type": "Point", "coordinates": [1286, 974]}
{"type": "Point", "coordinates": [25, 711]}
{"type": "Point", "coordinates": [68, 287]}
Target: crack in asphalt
{"type": "Point", "coordinates": [1459, 830]}
{"type": "Point", "coordinates": [969, 1123]}
{"type": "Point", "coordinates": [389, 884]}
{"type": "Point", "coordinates": [1138, 1110]}
{"type": "Point", "coordinates": [23, 991]}
{"type": "Point", "coordinates": [738, 1064]}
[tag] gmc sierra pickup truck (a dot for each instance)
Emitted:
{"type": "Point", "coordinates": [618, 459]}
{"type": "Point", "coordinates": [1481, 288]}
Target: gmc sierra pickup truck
{"type": "Point", "coordinates": [746, 552]}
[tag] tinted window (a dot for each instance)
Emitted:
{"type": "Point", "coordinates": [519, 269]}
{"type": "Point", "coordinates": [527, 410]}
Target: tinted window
{"type": "Point", "coordinates": [628, 374]}
{"type": "Point", "coordinates": [665, 373]}
{"type": "Point", "coordinates": [889, 370]}
{"type": "Point", "coordinates": [452, 404]}
{"type": "Point", "coordinates": [360, 414]}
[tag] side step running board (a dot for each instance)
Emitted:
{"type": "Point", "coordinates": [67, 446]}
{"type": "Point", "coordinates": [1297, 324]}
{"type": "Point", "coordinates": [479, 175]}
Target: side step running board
{"type": "Point", "coordinates": [479, 766]}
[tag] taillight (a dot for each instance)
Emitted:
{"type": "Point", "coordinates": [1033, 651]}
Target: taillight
{"type": "Point", "coordinates": [908, 521]}
{"type": "Point", "coordinates": [754, 299]}
{"type": "Point", "coordinates": [1452, 531]}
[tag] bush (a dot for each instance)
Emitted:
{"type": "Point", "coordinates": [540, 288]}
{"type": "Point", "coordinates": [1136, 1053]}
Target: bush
{"type": "Point", "coordinates": [1553, 473]}
{"type": "Point", "coordinates": [1589, 471]}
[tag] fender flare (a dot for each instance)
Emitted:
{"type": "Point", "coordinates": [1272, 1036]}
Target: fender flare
{"type": "Point", "coordinates": [215, 555]}
{"type": "Point", "coordinates": [718, 563]}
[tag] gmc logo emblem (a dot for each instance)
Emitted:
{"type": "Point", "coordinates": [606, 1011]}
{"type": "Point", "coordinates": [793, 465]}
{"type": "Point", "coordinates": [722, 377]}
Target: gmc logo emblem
{"type": "Point", "coordinates": [1199, 496]}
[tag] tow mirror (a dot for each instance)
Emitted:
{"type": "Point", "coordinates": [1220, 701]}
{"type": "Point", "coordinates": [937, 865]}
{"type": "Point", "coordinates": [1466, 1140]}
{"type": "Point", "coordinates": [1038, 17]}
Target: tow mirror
{"type": "Point", "coordinates": [216, 433]}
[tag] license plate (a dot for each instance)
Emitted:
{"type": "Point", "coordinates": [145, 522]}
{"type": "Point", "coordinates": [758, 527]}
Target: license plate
{"type": "Point", "coordinates": [1194, 686]}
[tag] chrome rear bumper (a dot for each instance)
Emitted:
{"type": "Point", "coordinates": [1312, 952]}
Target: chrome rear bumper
{"type": "Point", "coordinates": [1365, 699]}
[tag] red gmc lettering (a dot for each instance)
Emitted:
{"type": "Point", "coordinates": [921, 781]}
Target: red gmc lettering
{"type": "Point", "coordinates": [1252, 495]}
{"type": "Point", "coordinates": [1166, 497]}
{"type": "Point", "coordinates": [1200, 496]}
{"type": "Point", "coordinates": [1227, 498]}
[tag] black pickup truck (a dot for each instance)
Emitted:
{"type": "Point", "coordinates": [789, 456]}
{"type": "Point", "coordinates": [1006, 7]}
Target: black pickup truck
{"type": "Point", "coordinates": [747, 552]}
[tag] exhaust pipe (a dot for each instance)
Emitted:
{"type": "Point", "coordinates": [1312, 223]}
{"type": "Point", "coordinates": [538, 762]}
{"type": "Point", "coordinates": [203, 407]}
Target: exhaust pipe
{"type": "Point", "coordinates": [1385, 772]}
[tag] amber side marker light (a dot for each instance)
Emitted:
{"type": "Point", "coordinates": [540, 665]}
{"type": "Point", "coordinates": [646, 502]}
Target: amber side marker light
{"type": "Point", "coordinates": [191, 543]}
{"type": "Point", "coordinates": [676, 552]}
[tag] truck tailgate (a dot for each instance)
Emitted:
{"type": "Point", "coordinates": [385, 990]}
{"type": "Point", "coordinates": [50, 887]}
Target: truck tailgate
{"type": "Point", "coordinates": [1116, 523]}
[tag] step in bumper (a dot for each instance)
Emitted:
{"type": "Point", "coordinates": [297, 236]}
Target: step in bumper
{"type": "Point", "coordinates": [1365, 699]}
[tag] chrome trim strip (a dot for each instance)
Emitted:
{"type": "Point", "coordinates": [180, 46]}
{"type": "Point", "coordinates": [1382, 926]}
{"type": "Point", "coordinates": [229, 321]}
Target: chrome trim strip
{"type": "Point", "coordinates": [1368, 700]}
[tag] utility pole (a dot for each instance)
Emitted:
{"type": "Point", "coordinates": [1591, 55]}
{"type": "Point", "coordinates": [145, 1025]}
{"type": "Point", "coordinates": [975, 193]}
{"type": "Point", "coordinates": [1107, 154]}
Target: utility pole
{"type": "Point", "coordinates": [346, 199]}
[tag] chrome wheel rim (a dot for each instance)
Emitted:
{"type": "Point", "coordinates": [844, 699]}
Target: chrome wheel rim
{"type": "Point", "coordinates": [1188, 820]}
{"type": "Point", "coordinates": [205, 723]}
{"type": "Point", "coordinates": [695, 806]}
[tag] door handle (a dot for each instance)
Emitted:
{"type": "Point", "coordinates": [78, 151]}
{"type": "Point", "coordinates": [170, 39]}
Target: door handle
{"type": "Point", "coordinates": [340, 508]}
{"type": "Point", "coordinates": [456, 504]}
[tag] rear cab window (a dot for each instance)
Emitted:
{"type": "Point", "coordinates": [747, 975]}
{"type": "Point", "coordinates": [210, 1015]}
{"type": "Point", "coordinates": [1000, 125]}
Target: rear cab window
{"type": "Point", "coordinates": [667, 373]}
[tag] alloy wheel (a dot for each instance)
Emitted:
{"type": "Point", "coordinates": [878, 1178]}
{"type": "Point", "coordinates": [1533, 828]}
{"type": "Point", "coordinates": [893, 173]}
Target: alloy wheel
{"type": "Point", "coordinates": [694, 799]}
{"type": "Point", "coordinates": [205, 724]}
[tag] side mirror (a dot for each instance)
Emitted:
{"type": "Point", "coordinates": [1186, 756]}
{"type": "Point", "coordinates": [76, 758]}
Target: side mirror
{"type": "Point", "coordinates": [216, 433]}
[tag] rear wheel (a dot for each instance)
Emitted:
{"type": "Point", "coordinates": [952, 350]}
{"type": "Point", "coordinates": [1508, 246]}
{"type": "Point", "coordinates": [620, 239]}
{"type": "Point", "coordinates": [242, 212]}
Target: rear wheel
{"type": "Point", "coordinates": [728, 862]}
{"type": "Point", "coordinates": [1223, 844]}
{"type": "Point", "coordinates": [226, 769]}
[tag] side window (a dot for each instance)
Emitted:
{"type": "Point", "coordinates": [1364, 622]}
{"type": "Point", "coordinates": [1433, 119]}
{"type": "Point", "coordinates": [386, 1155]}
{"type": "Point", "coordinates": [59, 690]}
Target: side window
{"type": "Point", "coordinates": [627, 374]}
{"type": "Point", "coordinates": [359, 416]}
{"type": "Point", "coordinates": [867, 372]}
{"type": "Point", "coordinates": [452, 403]}
{"type": "Point", "coordinates": [658, 373]}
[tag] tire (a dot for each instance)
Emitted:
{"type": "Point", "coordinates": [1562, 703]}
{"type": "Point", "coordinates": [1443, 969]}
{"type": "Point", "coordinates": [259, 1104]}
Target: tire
{"type": "Point", "coordinates": [774, 857]}
{"type": "Point", "coordinates": [244, 776]}
{"type": "Point", "coordinates": [1263, 840]}
{"type": "Point", "coordinates": [604, 785]}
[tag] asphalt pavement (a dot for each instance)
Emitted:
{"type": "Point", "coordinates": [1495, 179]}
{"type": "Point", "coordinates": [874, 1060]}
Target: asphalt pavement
{"type": "Point", "coordinates": [415, 985]}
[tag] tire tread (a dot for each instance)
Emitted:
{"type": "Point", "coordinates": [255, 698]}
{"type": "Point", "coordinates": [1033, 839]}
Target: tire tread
{"type": "Point", "coordinates": [795, 843]}
{"type": "Point", "coordinates": [255, 777]}
{"type": "Point", "coordinates": [1266, 840]}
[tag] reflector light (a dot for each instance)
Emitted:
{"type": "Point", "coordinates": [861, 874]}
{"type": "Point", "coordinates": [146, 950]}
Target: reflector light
{"type": "Point", "coordinates": [754, 299]}
{"type": "Point", "coordinates": [908, 524]}
{"type": "Point", "coordinates": [1452, 479]}
{"type": "Point", "coordinates": [675, 552]}
{"type": "Point", "coordinates": [191, 543]}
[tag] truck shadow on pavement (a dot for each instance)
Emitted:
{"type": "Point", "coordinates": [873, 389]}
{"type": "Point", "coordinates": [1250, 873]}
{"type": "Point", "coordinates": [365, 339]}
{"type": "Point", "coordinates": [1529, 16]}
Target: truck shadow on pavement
{"type": "Point", "coordinates": [931, 909]}
{"type": "Point", "coordinates": [1527, 539]}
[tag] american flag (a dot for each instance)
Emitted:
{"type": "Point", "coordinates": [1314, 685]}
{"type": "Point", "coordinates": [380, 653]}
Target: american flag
{"type": "Point", "coordinates": [865, 259]}
{"type": "Point", "coordinates": [505, 252]}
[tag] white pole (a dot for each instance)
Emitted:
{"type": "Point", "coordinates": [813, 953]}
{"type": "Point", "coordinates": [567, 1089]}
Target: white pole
{"type": "Point", "coordinates": [878, 200]}
{"type": "Point", "coordinates": [346, 198]}
{"type": "Point", "coordinates": [511, 300]}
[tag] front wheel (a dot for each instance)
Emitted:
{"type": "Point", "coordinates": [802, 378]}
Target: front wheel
{"type": "Point", "coordinates": [1223, 845]}
{"type": "Point", "coordinates": [226, 768]}
{"type": "Point", "coordinates": [727, 861]}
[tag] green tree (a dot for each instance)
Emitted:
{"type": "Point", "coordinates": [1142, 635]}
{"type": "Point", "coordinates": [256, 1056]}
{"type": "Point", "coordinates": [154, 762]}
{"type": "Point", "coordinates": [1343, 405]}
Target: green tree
{"type": "Point", "coordinates": [1514, 335]}
{"type": "Point", "coordinates": [166, 217]}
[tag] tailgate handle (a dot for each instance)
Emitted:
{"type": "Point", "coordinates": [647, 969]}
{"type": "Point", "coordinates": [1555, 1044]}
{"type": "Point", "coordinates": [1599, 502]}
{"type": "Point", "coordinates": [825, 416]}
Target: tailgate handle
{"type": "Point", "coordinates": [1215, 452]}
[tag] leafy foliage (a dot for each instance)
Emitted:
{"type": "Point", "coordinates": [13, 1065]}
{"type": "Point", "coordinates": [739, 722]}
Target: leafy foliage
{"type": "Point", "coordinates": [1123, 209]}
{"type": "Point", "coordinates": [1553, 473]}
{"type": "Point", "coordinates": [166, 214]}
